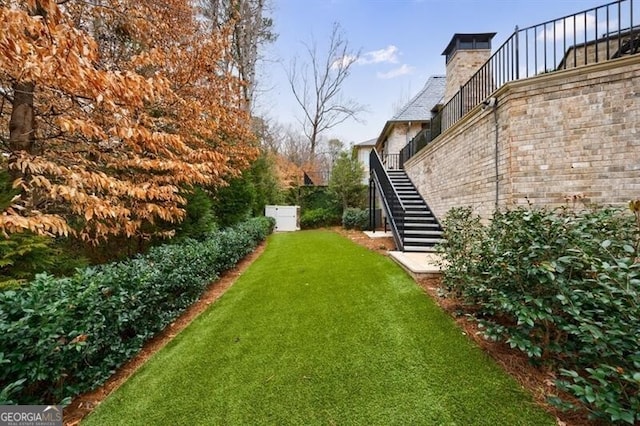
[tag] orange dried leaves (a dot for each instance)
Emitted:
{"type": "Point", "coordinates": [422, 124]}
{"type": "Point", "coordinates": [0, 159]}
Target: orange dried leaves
{"type": "Point", "coordinates": [121, 128]}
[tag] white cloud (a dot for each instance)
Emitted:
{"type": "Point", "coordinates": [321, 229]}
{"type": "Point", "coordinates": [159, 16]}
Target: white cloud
{"type": "Point", "coordinates": [389, 54]}
{"type": "Point", "coordinates": [343, 62]}
{"type": "Point", "coordinates": [563, 29]}
{"type": "Point", "coordinates": [404, 69]}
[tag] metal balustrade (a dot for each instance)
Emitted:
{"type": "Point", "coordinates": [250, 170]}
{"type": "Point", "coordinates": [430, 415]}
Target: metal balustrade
{"type": "Point", "coordinates": [594, 35]}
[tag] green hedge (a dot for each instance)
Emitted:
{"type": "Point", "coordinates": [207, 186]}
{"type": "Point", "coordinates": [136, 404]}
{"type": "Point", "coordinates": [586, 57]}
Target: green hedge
{"type": "Point", "coordinates": [561, 286]}
{"type": "Point", "coordinates": [354, 218]}
{"type": "Point", "coordinates": [63, 336]}
{"type": "Point", "coordinates": [318, 218]}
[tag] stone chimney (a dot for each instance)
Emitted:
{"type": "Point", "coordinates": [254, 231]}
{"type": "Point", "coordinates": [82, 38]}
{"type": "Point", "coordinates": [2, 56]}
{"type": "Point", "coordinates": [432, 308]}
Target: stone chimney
{"type": "Point", "coordinates": [465, 54]}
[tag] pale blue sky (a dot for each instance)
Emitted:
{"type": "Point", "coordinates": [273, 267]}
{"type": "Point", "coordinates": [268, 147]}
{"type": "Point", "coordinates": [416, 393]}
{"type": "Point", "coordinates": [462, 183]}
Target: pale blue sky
{"type": "Point", "coordinates": [411, 34]}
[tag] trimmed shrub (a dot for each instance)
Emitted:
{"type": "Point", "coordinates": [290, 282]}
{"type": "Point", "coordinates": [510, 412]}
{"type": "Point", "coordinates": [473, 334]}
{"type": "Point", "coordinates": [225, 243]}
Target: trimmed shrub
{"type": "Point", "coordinates": [318, 218]}
{"type": "Point", "coordinates": [561, 286]}
{"type": "Point", "coordinates": [355, 219]}
{"type": "Point", "coordinates": [63, 336]}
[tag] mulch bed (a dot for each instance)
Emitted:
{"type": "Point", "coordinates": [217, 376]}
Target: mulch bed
{"type": "Point", "coordinates": [536, 380]}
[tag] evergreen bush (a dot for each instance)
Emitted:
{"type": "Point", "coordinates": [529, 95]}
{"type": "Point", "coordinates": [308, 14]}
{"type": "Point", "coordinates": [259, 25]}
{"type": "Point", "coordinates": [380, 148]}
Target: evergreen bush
{"type": "Point", "coordinates": [63, 336]}
{"type": "Point", "coordinates": [354, 218]}
{"type": "Point", "coordinates": [318, 218]}
{"type": "Point", "coordinates": [561, 286]}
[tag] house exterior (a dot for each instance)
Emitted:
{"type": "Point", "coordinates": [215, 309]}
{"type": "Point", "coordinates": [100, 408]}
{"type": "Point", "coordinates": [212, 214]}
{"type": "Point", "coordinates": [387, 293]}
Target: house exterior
{"type": "Point", "coordinates": [529, 131]}
{"type": "Point", "coordinates": [361, 151]}
{"type": "Point", "coordinates": [410, 120]}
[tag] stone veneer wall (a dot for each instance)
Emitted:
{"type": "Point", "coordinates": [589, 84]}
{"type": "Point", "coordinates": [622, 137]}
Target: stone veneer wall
{"type": "Point", "coordinates": [461, 67]}
{"type": "Point", "coordinates": [400, 135]}
{"type": "Point", "coordinates": [562, 134]}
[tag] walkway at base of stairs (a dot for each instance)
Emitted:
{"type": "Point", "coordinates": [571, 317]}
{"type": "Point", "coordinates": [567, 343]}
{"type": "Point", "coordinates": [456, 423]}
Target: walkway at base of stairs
{"type": "Point", "coordinates": [417, 264]}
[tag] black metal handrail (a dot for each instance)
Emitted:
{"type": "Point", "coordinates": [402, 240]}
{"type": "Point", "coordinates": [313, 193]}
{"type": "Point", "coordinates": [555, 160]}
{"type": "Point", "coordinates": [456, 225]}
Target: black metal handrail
{"type": "Point", "coordinates": [588, 37]}
{"type": "Point", "coordinates": [396, 211]}
{"type": "Point", "coordinates": [559, 44]}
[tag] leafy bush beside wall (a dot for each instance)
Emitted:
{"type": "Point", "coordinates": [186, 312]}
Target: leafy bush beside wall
{"type": "Point", "coordinates": [63, 336]}
{"type": "Point", "coordinates": [354, 218]}
{"type": "Point", "coordinates": [561, 286]}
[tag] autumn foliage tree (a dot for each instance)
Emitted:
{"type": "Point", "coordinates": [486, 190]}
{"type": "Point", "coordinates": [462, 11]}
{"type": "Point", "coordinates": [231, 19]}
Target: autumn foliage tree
{"type": "Point", "coordinates": [110, 110]}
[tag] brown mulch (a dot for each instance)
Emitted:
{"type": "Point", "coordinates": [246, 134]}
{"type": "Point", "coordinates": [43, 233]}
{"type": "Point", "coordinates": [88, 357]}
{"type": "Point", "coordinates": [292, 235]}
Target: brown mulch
{"type": "Point", "coordinates": [536, 380]}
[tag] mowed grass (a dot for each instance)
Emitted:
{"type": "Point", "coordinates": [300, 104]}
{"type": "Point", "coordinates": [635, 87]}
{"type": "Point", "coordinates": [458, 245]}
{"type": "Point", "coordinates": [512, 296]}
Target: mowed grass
{"type": "Point", "coordinates": [320, 331]}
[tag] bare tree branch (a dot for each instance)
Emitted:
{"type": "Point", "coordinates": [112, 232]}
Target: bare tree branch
{"type": "Point", "coordinates": [317, 86]}
{"type": "Point", "coordinates": [251, 29]}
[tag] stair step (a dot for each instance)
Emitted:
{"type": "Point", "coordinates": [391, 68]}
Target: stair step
{"type": "Point", "coordinates": [422, 241]}
{"type": "Point", "coordinates": [420, 228]}
{"type": "Point", "coordinates": [424, 249]}
{"type": "Point", "coordinates": [422, 233]}
{"type": "Point", "coordinates": [420, 225]}
{"type": "Point", "coordinates": [417, 219]}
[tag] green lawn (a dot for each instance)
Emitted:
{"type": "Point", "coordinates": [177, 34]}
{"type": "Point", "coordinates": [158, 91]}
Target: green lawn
{"type": "Point", "coordinates": [321, 331]}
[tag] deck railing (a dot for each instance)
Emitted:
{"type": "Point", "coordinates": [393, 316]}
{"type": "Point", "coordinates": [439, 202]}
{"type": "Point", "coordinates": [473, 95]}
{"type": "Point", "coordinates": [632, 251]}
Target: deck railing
{"type": "Point", "coordinates": [588, 37]}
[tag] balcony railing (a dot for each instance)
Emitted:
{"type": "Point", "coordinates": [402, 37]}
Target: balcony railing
{"type": "Point", "coordinates": [392, 162]}
{"type": "Point", "coordinates": [421, 140]}
{"type": "Point", "coordinates": [588, 37]}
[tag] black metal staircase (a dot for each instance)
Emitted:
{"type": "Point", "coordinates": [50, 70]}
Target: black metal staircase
{"type": "Point", "coordinates": [414, 226]}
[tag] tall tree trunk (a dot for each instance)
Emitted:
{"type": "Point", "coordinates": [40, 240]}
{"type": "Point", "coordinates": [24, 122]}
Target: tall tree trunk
{"type": "Point", "coordinates": [22, 125]}
{"type": "Point", "coordinates": [22, 122]}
